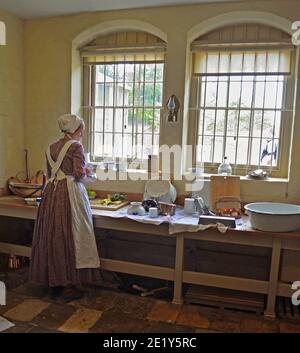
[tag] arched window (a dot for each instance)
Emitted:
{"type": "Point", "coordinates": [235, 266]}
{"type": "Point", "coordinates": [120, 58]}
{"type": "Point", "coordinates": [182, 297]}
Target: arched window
{"type": "Point", "coordinates": [2, 33]}
{"type": "Point", "coordinates": [123, 94]}
{"type": "Point", "coordinates": [242, 98]}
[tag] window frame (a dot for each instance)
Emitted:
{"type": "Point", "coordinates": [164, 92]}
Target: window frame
{"type": "Point", "coordinates": [89, 81]}
{"type": "Point", "coordinates": [282, 168]}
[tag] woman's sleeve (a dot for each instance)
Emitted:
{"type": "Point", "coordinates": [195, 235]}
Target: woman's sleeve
{"type": "Point", "coordinates": [79, 172]}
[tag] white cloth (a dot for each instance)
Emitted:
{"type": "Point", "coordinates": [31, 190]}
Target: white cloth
{"type": "Point", "coordinates": [86, 252]}
{"type": "Point", "coordinates": [179, 223]}
{"type": "Point", "coordinates": [69, 123]}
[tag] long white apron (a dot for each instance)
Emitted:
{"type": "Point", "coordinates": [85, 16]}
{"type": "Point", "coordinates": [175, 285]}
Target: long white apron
{"type": "Point", "coordinates": [86, 252]}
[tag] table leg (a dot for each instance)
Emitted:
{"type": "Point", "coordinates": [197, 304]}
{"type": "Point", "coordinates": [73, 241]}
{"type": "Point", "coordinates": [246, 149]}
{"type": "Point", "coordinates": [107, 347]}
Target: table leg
{"type": "Point", "coordinates": [273, 280]}
{"type": "Point", "coordinates": [177, 298]}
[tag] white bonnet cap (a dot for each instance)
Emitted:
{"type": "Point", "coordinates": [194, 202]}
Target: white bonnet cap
{"type": "Point", "coordinates": [69, 123]}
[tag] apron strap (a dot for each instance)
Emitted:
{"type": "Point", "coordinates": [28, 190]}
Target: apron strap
{"type": "Point", "coordinates": [55, 166]}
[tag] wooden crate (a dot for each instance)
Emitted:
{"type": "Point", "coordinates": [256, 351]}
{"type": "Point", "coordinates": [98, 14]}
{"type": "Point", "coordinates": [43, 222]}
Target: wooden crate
{"type": "Point", "coordinates": [225, 298]}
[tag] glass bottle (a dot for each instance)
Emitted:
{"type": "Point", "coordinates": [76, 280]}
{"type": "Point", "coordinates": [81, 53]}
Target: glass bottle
{"type": "Point", "coordinates": [225, 167]}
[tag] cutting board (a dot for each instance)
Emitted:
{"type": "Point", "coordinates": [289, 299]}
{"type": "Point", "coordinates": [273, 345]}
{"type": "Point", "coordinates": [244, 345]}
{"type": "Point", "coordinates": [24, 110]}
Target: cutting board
{"type": "Point", "coordinates": [107, 207]}
{"type": "Point", "coordinates": [221, 186]}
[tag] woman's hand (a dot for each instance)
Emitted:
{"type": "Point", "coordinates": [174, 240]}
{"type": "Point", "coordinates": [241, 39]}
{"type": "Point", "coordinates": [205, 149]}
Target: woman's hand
{"type": "Point", "coordinates": [88, 171]}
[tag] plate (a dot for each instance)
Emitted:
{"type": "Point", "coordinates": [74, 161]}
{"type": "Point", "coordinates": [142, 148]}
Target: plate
{"type": "Point", "coordinates": [157, 188]}
{"type": "Point", "coordinates": [32, 201]}
{"type": "Point", "coordinates": [166, 195]}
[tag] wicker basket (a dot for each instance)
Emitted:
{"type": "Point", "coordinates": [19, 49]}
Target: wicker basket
{"type": "Point", "coordinates": [31, 188]}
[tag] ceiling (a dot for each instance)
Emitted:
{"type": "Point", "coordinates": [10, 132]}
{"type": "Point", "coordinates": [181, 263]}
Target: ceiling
{"type": "Point", "coordinates": [27, 9]}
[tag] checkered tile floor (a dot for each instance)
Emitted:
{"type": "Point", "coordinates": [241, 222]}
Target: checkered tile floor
{"type": "Point", "coordinates": [104, 309]}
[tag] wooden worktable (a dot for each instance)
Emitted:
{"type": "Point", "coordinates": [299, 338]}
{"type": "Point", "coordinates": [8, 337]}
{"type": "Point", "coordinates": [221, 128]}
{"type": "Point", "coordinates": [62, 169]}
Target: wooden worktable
{"type": "Point", "coordinates": [12, 206]}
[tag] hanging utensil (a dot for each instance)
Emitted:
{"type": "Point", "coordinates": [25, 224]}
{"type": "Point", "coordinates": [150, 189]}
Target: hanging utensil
{"type": "Point", "coordinates": [26, 167]}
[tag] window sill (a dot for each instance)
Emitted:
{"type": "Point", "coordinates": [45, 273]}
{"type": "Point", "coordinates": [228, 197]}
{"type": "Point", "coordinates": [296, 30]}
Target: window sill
{"type": "Point", "coordinates": [205, 176]}
{"type": "Point", "coordinates": [244, 178]}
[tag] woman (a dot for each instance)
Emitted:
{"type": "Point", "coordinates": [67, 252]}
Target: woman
{"type": "Point", "coordinates": [64, 245]}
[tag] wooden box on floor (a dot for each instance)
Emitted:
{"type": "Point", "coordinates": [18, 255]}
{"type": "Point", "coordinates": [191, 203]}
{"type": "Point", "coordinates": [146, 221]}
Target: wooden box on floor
{"type": "Point", "coordinates": [225, 299]}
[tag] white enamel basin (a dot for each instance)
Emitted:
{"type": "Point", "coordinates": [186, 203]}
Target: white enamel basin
{"type": "Point", "coordinates": [274, 217]}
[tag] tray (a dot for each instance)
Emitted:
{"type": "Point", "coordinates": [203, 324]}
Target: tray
{"type": "Point", "coordinates": [108, 207]}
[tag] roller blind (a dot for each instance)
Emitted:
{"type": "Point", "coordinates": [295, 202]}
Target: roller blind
{"type": "Point", "coordinates": [242, 62]}
{"type": "Point", "coordinates": [124, 47]}
{"type": "Point", "coordinates": [129, 57]}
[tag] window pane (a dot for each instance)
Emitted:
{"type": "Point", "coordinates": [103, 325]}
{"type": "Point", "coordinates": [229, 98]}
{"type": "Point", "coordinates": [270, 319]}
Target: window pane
{"type": "Point", "coordinates": [129, 72]}
{"type": "Point", "coordinates": [140, 69]}
{"type": "Point", "coordinates": [207, 148]}
{"type": "Point", "coordinates": [100, 73]}
{"type": "Point", "coordinates": [218, 152]}
{"type": "Point", "coordinates": [138, 93]}
{"type": "Point", "coordinates": [255, 151]}
{"type": "Point", "coordinates": [120, 72]}
{"type": "Point", "coordinates": [242, 149]}
{"type": "Point", "coordinates": [268, 124]}
{"type": "Point", "coordinates": [108, 145]}
{"type": "Point", "coordinates": [98, 144]}
{"type": "Point", "coordinates": [259, 94]}
{"type": "Point", "coordinates": [127, 145]}
{"type": "Point", "coordinates": [277, 123]}
{"type": "Point", "coordinates": [156, 121]}
{"type": "Point", "coordinates": [234, 93]}
{"type": "Point", "coordinates": [148, 120]}
{"type": "Point", "coordinates": [150, 70]}
{"type": "Point", "coordinates": [270, 95]}
{"type": "Point", "coordinates": [128, 120]}
{"type": "Point", "coordinates": [158, 94]}
{"type": "Point", "coordinates": [109, 119]}
{"type": "Point", "coordinates": [120, 96]}
{"type": "Point", "coordinates": [139, 146]}
{"type": "Point", "coordinates": [139, 117]}
{"type": "Point", "coordinates": [211, 94]}
{"type": "Point", "coordinates": [118, 142]}
{"type": "Point", "coordinates": [109, 94]}
{"type": "Point", "coordinates": [209, 122]}
{"type": "Point", "coordinates": [149, 95]}
{"type": "Point", "coordinates": [247, 90]}
{"type": "Point", "coordinates": [257, 123]}
{"type": "Point", "coordinates": [230, 149]}
{"type": "Point", "coordinates": [220, 124]}
{"type": "Point", "coordinates": [147, 145]}
{"type": "Point", "coordinates": [159, 72]}
{"type": "Point", "coordinates": [244, 123]}
{"type": "Point", "coordinates": [156, 144]}
{"type": "Point", "coordinates": [200, 122]}
{"type": "Point", "coordinates": [232, 122]}
{"type": "Point", "coordinates": [98, 119]}
{"type": "Point", "coordinates": [99, 98]}
{"type": "Point", "coordinates": [222, 94]}
{"type": "Point", "coordinates": [279, 94]}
